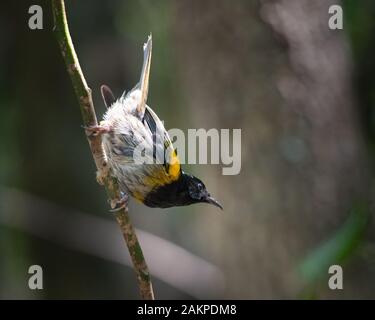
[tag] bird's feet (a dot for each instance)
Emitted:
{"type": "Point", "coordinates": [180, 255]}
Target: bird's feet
{"type": "Point", "coordinates": [94, 131]}
{"type": "Point", "coordinates": [117, 205]}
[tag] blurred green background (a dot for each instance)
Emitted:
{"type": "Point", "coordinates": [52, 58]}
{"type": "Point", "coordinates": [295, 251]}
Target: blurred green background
{"type": "Point", "coordinates": [303, 96]}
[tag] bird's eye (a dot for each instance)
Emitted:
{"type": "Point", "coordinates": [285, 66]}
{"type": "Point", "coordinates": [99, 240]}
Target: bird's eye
{"type": "Point", "coordinates": [200, 187]}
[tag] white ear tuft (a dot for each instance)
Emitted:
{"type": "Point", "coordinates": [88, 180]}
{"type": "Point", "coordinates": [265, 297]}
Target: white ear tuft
{"type": "Point", "coordinates": [107, 95]}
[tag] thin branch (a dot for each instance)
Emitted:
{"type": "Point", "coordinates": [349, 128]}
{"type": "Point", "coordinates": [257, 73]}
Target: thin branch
{"type": "Point", "coordinates": [83, 93]}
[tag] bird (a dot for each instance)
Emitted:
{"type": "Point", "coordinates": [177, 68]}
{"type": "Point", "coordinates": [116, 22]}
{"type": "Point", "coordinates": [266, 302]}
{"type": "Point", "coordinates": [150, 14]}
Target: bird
{"type": "Point", "coordinates": [131, 129]}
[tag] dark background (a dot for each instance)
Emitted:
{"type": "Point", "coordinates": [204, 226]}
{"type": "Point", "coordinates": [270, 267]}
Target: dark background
{"type": "Point", "coordinates": [303, 96]}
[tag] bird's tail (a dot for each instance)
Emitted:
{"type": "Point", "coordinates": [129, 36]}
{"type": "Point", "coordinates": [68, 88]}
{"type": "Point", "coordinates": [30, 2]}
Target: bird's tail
{"type": "Point", "coordinates": [145, 75]}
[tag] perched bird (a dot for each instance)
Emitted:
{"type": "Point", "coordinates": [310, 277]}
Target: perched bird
{"type": "Point", "coordinates": [131, 129]}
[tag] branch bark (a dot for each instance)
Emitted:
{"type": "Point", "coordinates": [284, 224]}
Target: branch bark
{"type": "Point", "coordinates": [83, 93]}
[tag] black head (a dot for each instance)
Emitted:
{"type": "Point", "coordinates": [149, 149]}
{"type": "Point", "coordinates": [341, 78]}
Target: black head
{"type": "Point", "coordinates": [182, 192]}
{"type": "Point", "coordinates": [197, 192]}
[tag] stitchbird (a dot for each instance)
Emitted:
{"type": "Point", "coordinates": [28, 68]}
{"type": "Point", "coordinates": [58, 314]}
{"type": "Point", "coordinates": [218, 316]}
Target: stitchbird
{"type": "Point", "coordinates": [131, 130]}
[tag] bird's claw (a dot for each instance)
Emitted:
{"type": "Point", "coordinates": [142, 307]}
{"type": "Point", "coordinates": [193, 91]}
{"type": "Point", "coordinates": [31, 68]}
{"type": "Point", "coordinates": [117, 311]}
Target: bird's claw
{"type": "Point", "coordinates": [118, 205]}
{"type": "Point", "coordinates": [94, 131]}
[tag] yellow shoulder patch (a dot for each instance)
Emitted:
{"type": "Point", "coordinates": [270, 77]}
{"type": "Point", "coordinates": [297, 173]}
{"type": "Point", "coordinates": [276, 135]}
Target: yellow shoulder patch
{"type": "Point", "coordinates": [174, 167]}
{"type": "Point", "coordinates": [165, 175]}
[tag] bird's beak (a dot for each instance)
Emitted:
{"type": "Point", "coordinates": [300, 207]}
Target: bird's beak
{"type": "Point", "coordinates": [211, 200]}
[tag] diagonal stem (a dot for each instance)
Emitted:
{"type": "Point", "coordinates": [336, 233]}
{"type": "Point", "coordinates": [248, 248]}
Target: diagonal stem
{"type": "Point", "coordinates": [83, 93]}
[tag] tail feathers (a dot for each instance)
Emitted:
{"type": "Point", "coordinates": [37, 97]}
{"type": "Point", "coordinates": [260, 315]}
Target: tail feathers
{"type": "Point", "coordinates": [107, 95]}
{"type": "Point", "coordinates": [145, 75]}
